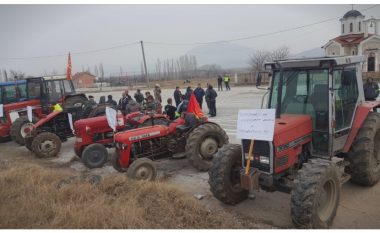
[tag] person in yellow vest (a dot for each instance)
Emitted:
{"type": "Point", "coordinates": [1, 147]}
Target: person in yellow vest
{"type": "Point", "coordinates": [57, 107]}
{"type": "Point", "coordinates": [227, 82]}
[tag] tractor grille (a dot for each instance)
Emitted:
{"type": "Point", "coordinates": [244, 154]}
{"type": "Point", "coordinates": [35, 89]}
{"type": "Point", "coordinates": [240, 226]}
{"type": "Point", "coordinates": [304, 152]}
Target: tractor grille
{"type": "Point", "coordinates": [261, 154]}
{"type": "Point", "coordinates": [281, 161]}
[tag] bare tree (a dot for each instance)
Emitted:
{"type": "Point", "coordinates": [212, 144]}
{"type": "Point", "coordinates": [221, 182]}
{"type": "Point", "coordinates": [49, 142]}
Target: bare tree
{"type": "Point", "coordinates": [96, 71]}
{"type": "Point", "coordinates": [101, 73]}
{"type": "Point", "coordinates": [5, 75]}
{"type": "Point", "coordinates": [280, 53]}
{"type": "Point", "coordinates": [258, 58]}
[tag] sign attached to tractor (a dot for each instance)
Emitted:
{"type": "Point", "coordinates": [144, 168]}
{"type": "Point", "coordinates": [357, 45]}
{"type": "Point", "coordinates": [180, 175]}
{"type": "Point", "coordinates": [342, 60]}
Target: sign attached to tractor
{"type": "Point", "coordinates": [29, 111]}
{"type": "Point", "coordinates": [111, 118]}
{"type": "Point", "coordinates": [1, 110]}
{"type": "Point", "coordinates": [256, 124]}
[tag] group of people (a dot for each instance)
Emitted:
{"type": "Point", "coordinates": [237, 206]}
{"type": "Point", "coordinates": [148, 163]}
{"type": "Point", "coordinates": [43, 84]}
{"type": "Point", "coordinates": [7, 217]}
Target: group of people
{"type": "Point", "coordinates": [226, 79]}
{"type": "Point", "coordinates": [209, 95]}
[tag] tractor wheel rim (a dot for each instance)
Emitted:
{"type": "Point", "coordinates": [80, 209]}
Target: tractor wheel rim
{"type": "Point", "coordinates": [95, 157]}
{"type": "Point", "coordinates": [143, 173]}
{"type": "Point", "coordinates": [208, 148]}
{"type": "Point", "coordinates": [327, 199]}
{"type": "Point", "coordinates": [26, 129]}
{"type": "Point", "coordinates": [47, 146]}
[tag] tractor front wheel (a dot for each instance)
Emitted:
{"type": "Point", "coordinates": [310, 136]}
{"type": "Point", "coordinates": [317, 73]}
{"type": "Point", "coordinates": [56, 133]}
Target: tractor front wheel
{"type": "Point", "coordinates": [315, 195]}
{"type": "Point", "coordinates": [142, 169]}
{"type": "Point", "coordinates": [224, 175]}
{"type": "Point", "coordinates": [46, 145]}
{"type": "Point", "coordinates": [20, 128]}
{"type": "Point", "coordinates": [203, 143]}
{"type": "Point", "coordinates": [94, 156]}
{"type": "Point", "coordinates": [364, 155]}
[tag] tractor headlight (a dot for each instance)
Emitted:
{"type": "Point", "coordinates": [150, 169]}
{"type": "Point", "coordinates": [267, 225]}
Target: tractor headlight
{"type": "Point", "coordinates": [264, 160]}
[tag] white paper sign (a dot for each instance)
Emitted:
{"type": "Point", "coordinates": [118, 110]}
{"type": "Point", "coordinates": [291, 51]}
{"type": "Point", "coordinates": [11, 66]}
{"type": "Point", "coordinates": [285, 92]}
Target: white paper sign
{"type": "Point", "coordinates": [70, 116]}
{"type": "Point", "coordinates": [1, 110]}
{"type": "Point", "coordinates": [30, 113]}
{"type": "Point", "coordinates": [111, 118]}
{"type": "Point", "coordinates": [257, 124]}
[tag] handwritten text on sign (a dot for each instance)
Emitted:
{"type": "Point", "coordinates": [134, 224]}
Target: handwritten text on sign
{"type": "Point", "coordinates": [256, 124]}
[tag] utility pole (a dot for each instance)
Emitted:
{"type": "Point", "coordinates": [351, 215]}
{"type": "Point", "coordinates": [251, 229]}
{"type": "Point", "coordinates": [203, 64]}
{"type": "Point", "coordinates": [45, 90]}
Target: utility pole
{"type": "Point", "coordinates": [146, 71]}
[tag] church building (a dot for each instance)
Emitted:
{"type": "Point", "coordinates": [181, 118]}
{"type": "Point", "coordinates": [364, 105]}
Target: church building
{"type": "Point", "coordinates": [358, 36]}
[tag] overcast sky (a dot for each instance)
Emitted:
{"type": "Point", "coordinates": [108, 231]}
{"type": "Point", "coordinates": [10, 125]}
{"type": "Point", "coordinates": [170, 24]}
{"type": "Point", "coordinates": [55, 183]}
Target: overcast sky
{"type": "Point", "coordinates": [40, 30]}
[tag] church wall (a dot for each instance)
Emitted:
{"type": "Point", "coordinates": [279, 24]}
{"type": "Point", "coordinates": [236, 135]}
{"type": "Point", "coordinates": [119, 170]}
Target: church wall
{"type": "Point", "coordinates": [333, 50]}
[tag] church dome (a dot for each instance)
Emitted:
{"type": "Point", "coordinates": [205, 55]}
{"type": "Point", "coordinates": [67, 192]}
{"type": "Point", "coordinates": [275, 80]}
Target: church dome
{"type": "Point", "coordinates": [352, 13]}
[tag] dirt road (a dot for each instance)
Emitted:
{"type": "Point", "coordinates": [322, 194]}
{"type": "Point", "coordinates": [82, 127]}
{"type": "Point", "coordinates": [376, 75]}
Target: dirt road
{"type": "Point", "coordinates": [359, 206]}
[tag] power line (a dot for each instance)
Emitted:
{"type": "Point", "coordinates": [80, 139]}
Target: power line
{"type": "Point", "coordinates": [254, 36]}
{"type": "Point", "coordinates": [184, 44]}
{"type": "Point", "coordinates": [75, 53]}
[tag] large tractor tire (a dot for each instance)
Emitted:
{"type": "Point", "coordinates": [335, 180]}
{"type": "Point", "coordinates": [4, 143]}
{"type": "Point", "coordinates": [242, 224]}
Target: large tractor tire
{"type": "Point", "coordinates": [142, 169]}
{"type": "Point", "coordinates": [46, 145]}
{"type": "Point", "coordinates": [315, 195]}
{"type": "Point", "coordinates": [364, 155]}
{"type": "Point", "coordinates": [74, 101]}
{"type": "Point", "coordinates": [95, 156]}
{"type": "Point", "coordinates": [224, 175]}
{"type": "Point", "coordinates": [203, 143]}
{"type": "Point", "coordinates": [18, 130]}
{"type": "Point", "coordinates": [116, 164]}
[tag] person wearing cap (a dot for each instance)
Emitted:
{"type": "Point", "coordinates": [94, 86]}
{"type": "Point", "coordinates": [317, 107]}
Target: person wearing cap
{"type": "Point", "coordinates": [157, 93]}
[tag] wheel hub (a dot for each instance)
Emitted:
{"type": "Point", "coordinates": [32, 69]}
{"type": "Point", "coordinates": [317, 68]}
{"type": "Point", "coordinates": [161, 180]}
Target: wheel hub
{"type": "Point", "coordinates": [143, 173]}
{"type": "Point", "coordinates": [47, 146]}
{"type": "Point", "coordinates": [326, 200]}
{"type": "Point", "coordinates": [95, 156]}
{"type": "Point", "coordinates": [208, 148]}
{"type": "Point", "coordinates": [26, 129]}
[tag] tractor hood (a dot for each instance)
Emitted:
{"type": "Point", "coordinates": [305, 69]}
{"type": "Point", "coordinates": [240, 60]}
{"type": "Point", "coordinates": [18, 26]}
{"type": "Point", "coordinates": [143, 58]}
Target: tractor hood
{"type": "Point", "coordinates": [291, 127]}
{"type": "Point", "coordinates": [139, 134]}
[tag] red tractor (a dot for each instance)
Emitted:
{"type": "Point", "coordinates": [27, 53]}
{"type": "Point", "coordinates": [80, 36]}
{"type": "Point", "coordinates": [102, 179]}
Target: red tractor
{"type": "Point", "coordinates": [199, 140]}
{"type": "Point", "coordinates": [325, 134]}
{"type": "Point", "coordinates": [94, 136]}
{"type": "Point", "coordinates": [40, 94]}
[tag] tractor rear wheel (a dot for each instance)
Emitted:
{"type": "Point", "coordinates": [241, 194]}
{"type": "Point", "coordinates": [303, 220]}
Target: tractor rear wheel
{"type": "Point", "coordinates": [94, 155]}
{"type": "Point", "coordinates": [115, 162]}
{"type": "Point", "coordinates": [224, 175]}
{"type": "Point", "coordinates": [46, 145]}
{"type": "Point", "coordinates": [364, 155]}
{"type": "Point", "coordinates": [203, 143]}
{"type": "Point", "coordinates": [142, 169]}
{"type": "Point", "coordinates": [315, 195]}
{"type": "Point", "coordinates": [20, 128]}
{"type": "Point", "coordinates": [75, 101]}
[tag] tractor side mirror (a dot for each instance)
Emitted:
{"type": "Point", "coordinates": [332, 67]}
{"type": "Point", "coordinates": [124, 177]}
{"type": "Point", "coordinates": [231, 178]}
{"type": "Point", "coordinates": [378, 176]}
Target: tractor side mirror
{"type": "Point", "coordinates": [347, 77]}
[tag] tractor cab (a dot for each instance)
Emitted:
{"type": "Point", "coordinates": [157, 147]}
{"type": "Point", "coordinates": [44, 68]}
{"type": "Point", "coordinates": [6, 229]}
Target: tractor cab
{"type": "Point", "coordinates": [12, 92]}
{"type": "Point", "coordinates": [49, 90]}
{"type": "Point", "coordinates": [326, 89]}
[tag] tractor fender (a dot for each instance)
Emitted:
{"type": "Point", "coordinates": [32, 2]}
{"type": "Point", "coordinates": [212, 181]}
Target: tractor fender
{"type": "Point", "coordinates": [78, 94]}
{"type": "Point", "coordinates": [360, 115]}
{"type": "Point", "coordinates": [50, 116]}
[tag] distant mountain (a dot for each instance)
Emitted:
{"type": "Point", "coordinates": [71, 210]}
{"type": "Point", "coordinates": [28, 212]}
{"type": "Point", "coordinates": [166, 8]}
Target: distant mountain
{"type": "Point", "coordinates": [227, 55]}
{"type": "Point", "coordinates": [311, 53]}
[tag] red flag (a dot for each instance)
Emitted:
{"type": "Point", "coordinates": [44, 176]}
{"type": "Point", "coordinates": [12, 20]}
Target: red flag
{"type": "Point", "coordinates": [193, 107]}
{"type": "Point", "coordinates": [68, 71]}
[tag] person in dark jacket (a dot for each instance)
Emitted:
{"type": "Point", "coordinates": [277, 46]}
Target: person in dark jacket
{"type": "Point", "coordinates": [210, 97]}
{"type": "Point", "coordinates": [220, 83]}
{"type": "Point", "coordinates": [177, 96]}
{"type": "Point", "coordinates": [123, 102]}
{"type": "Point", "coordinates": [182, 107]}
{"type": "Point", "coordinates": [139, 97]}
{"type": "Point", "coordinates": [199, 93]}
{"type": "Point", "coordinates": [111, 102]}
{"type": "Point", "coordinates": [132, 106]}
{"type": "Point", "coordinates": [170, 109]}
{"type": "Point", "coordinates": [371, 90]}
{"type": "Point", "coordinates": [189, 91]}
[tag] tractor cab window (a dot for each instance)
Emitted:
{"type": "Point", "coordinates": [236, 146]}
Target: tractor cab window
{"type": "Point", "coordinates": [305, 92]}
{"type": "Point", "coordinates": [34, 89]}
{"type": "Point", "coordinates": [68, 86]}
{"type": "Point", "coordinates": [346, 96]}
{"type": "Point", "coordinates": [12, 93]}
{"type": "Point", "coordinates": [55, 90]}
